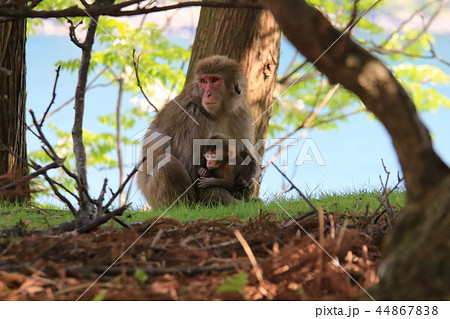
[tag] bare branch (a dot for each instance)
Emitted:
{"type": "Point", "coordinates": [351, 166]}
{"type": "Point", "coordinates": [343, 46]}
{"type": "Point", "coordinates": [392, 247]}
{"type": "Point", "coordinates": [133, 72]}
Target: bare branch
{"type": "Point", "coordinates": [311, 117]}
{"type": "Point", "coordinates": [121, 222]}
{"type": "Point", "coordinates": [438, 57]}
{"type": "Point", "coordinates": [39, 171]}
{"type": "Point", "coordinates": [288, 81]}
{"type": "Point", "coordinates": [59, 195]}
{"type": "Point", "coordinates": [313, 208]}
{"type": "Point", "coordinates": [425, 28]}
{"type": "Point", "coordinates": [121, 188]}
{"type": "Point", "coordinates": [88, 87]}
{"type": "Point", "coordinates": [136, 71]}
{"type": "Point", "coordinates": [409, 19]}
{"type": "Point", "coordinates": [72, 34]}
{"type": "Point", "coordinates": [102, 219]}
{"type": "Point", "coordinates": [115, 10]}
{"type": "Point", "coordinates": [53, 96]}
{"type": "Point", "coordinates": [354, 17]}
{"type": "Point", "coordinates": [290, 74]}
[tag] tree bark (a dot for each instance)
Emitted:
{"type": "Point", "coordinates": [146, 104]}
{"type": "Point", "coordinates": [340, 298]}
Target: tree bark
{"type": "Point", "coordinates": [86, 207]}
{"type": "Point", "coordinates": [250, 36]}
{"type": "Point", "coordinates": [13, 151]}
{"type": "Point", "coordinates": [416, 254]}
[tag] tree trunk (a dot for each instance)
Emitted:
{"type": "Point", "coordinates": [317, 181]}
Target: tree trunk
{"type": "Point", "coordinates": [250, 36]}
{"type": "Point", "coordinates": [416, 258]}
{"type": "Point", "coordinates": [87, 208]}
{"type": "Point", "coordinates": [416, 254]}
{"type": "Point", "coordinates": [13, 151]}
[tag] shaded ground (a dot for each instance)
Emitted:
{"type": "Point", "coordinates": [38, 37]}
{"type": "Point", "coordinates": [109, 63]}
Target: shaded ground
{"type": "Point", "coordinates": [174, 261]}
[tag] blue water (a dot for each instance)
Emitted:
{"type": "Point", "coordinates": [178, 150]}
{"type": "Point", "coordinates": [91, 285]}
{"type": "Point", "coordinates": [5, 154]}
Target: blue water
{"type": "Point", "coordinates": [352, 153]}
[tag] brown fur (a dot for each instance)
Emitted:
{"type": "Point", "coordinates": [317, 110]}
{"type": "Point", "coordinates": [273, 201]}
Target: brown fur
{"type": "Point", "coordinates": [233, 118]}
{"type": "Point", "coordinates": [222, 174]}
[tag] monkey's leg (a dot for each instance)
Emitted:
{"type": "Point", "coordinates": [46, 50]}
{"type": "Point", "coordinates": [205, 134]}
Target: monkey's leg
{"type": "Point", "coordinates": [166, 184]}
{"type": "Point", "coordinates": [215, 196]}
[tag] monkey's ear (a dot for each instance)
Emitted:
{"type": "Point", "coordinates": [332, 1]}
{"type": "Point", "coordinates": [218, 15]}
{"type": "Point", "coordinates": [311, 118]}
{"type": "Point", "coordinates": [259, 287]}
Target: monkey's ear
{"type": "Point", "coordinates": [237, 88]}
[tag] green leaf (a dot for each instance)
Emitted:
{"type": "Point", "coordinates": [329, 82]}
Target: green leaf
{"type": "Point", "coordinates": [100, 296]}
{"type": "Point", "coordinates": [140, 276]}
{"type": "Point", "coordinates": [234, 284]}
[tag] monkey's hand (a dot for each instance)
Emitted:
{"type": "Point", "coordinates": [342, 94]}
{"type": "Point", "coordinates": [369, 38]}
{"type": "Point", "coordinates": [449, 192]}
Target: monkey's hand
{"type": "Point", "coordinates": [203, 172]}
{"type": "Point", "coordinates": [241, 183]}
{"type": "Point", "coordinates": [244, 179]}
{"type": "Point", "coordinates": [204, 182]}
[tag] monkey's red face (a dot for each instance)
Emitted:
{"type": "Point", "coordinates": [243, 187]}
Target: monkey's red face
{"type": "Point", "coordinates": [211, 160]}
{"type": "Point", "coordinates": [211, 90]}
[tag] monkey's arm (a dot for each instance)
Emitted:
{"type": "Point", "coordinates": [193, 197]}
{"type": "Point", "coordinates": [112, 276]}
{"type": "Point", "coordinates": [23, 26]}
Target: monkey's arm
{"type": "Point", "coordinates": [205, 182]}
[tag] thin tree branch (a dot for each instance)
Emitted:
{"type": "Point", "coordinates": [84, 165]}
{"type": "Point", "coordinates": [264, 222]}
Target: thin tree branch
{"type": "Point", "coordinates": [286, 77]}
{"type": "Point", "coordinates": [37, 172]}
{"type": "Point", "coordinates": [53, 96]}
{"type": "Point", "coordinates": [288, 81]}
{"type": "Point", "coordinates": [72, 34]}
{"type": "Point", "coordinates": [121, 188]}
{"type": "Point", "coordinates": [311, 117]}
{"type": "Point", "coordinates": [313, 208]}
{"type": "Point", "coordinates": [59, 195]}
{"type": "Point", "coordinates": [438, 57]}
{"type": "Point", "coordinates": [351, 24]}
{"type": "Point", "coordinates": [119, 139]}
{"type": "Point", "coordinates": [409, 19]}
{"type": "Point", "coordinates": [425, 28]}
{"type": "Point", "coordinates": [88, 87]}
{"type": "Point", "coordinates": [136, 71]}
{"type": "Point", "coordinates": [102, 219]}
{"type": "Point", "coordinates": [115, 10]}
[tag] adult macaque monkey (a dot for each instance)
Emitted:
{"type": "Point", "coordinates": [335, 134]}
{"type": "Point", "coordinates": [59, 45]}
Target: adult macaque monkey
{"type": "Point", "coordinates": [214, 102]}
{"type": "Point", "coordinates": [220, 167]}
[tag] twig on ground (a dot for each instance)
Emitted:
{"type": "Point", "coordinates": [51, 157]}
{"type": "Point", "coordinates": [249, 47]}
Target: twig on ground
{"type": "Point", "coordinates": [384, 198]}
{"type": "Point", "coordinates": [251, 257]}
{"type": "Point", "coordinates": [118, 270]}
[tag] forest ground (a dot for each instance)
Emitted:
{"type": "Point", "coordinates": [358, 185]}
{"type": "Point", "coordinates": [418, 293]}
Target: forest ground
{"type": "Point", "coordinates": [262, 257]}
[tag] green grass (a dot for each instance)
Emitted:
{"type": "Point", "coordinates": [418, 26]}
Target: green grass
{"type": "Point", "coordinates": [349, 204]}
{"type": "Point", "coordinates": [31, 217]}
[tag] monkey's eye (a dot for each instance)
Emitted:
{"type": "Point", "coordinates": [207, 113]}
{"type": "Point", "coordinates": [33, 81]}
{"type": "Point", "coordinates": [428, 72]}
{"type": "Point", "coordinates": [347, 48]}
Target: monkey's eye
{"type": "Point", "coordinates": [214, 80]}
{"type": "Point", "coordinates": [202, 81]}
{"type": "Point", "coordinates": [210, 157]}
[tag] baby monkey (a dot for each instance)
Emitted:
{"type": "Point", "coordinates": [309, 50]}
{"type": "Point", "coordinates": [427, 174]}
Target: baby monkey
{"type": "Point", "coordinates": [218, 171]}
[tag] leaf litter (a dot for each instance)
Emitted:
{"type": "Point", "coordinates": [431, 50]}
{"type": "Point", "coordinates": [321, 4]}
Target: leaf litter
{"type": "Point", "coordinates": [198, 260]}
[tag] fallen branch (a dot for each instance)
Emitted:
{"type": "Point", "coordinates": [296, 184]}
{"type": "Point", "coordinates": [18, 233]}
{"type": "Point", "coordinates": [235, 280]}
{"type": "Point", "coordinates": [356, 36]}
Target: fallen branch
{"type": "Point", "coordinates": [102, 219]}
{"type": "Point", "coordinates": [118, 270]}
{"type": "Point", "coordinates": [251, 257]}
